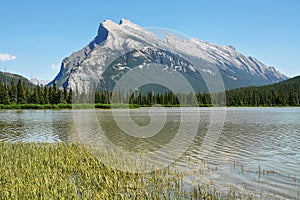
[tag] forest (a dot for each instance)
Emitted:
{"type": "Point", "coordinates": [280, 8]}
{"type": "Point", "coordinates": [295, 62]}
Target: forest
{"type": "Point", "coordinates": [286, 93]}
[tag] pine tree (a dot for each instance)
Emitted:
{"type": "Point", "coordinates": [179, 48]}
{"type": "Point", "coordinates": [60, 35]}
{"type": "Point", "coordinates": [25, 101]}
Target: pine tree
{"type": "Point", "coordinates": [21, 93]}
{"type": "Point", "coordinates": [46, 95]}
{"type": "Point", "coordinates": [6, 98]}
{"type": "Point", "coordinates": [13, 92]}
{"type": "Point", "coordinates": [70, 96]}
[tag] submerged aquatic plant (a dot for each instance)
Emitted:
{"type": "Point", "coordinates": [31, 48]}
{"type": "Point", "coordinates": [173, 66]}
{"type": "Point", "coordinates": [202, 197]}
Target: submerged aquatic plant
{"type": "Point", "coordinates": [70, 171]}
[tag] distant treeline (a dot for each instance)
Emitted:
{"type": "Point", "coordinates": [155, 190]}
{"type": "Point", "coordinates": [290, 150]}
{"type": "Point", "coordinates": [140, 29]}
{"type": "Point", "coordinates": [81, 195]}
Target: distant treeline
{"type": "Point", "coordinates": [282, 94]}
{"type": "Point", "coordinates": [286, 93]}
{"type": "Point", "coordinates": [11, 94]}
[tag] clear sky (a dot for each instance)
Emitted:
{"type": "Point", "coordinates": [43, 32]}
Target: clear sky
{"type": "Point", "coordinates": [36, 35]}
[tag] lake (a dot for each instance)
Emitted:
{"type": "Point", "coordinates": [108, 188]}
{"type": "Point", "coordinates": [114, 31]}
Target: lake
{"type": "Point", "coordinates": [252, 150]}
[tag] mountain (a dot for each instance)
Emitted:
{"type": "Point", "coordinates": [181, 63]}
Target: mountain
{"type": "Point", "coordinates": [38, 81]}
{"type": "Point", "coordinates": [119, 48]}
{"type": "Point", "coordinates": [6, 77]}
{"type": "Point", "coordinates": [285, 93]}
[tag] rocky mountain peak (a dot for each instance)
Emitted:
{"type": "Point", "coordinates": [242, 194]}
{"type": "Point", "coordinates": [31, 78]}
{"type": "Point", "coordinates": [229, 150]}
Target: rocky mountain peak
{"type": "Point", "coordinates": [126, 22]}
{"type": "Point", "coordinates": [125, 37]}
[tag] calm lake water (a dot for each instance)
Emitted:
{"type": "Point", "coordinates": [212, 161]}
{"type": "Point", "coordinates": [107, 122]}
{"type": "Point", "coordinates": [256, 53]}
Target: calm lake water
{"type": "Point", "coordinates": [258, 150]}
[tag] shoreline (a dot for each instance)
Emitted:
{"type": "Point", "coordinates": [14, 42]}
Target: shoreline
{"type": "Point", "coordinates": [116, 106]}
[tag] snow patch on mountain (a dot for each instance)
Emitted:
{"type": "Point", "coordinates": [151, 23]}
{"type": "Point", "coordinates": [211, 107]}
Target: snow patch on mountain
{"type": "Point", "coordinates": [208, 71]}
{"type": "Point", "coordinates": [37, 81]}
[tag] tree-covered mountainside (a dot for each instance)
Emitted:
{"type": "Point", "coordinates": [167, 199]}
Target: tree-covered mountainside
{"type": "Point", "coordinates": [285, 93]}
{"type": "Point", "coordinates": [295, 80]}
{"type": "Point", "coordinates": [6, 77]}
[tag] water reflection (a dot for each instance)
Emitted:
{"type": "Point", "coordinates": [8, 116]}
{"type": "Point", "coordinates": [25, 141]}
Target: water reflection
{"type": "Point", "coordinates": [130, 143]}
{"type": "Point", "coordinates": [35, 125]}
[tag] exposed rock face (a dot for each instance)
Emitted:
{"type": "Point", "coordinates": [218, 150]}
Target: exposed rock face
{"type": "Point", "coordinates": [121, 47]}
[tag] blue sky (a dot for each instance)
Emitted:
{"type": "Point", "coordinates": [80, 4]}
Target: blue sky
{"type": "Point", "coordinates": [36, 35]}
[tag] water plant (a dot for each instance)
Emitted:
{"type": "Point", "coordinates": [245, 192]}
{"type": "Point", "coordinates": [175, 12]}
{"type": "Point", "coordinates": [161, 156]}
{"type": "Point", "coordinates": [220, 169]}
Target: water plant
{"type": "Point", "coordinates": [70, 171]}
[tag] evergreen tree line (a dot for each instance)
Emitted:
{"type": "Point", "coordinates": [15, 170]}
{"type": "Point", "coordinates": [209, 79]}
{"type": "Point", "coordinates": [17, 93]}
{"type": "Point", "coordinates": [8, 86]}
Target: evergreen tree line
{"type": "Point", "coordinates": [20, 94]}
{"type": "Point", "coordinates": [287, 94]}
{"type": "Point", "coordinates": [280, 94]}
{"type": "Point", "coordinates": [150, 98]}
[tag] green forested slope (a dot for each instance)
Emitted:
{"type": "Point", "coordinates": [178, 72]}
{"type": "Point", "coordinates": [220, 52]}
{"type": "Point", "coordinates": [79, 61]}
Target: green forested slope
{"type": "Point", "coordinates": [286, 93]}
{"type": "Point", "coordinates": [6, 77]}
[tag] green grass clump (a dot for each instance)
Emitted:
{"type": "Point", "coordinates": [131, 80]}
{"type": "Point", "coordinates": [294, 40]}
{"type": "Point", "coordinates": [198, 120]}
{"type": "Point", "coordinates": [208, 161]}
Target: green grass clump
{"type": "Point", "coordinates": [70, 171]}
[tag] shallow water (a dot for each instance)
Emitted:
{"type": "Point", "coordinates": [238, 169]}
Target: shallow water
{"type": "Point", "coordinates": [256, 150]}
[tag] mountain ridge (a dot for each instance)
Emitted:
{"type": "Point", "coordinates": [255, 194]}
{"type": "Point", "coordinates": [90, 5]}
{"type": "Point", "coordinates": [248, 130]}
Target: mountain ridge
{"type": "Point", "coordinates": [86, 67]}
{"type": "Point", "coordinates": [6, 78]}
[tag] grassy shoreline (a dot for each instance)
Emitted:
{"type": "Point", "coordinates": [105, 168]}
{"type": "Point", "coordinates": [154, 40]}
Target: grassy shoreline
{"type": "Point", "coordinates": [70, 171]}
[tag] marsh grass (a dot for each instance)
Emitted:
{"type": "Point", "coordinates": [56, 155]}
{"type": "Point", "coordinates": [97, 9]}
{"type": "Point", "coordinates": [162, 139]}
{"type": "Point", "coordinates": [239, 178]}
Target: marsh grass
{"type": "Point", "coordinates": [70, 171]}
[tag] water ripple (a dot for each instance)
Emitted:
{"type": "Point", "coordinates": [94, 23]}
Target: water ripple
{"type": "Point", "coordinates": [258, 150]}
